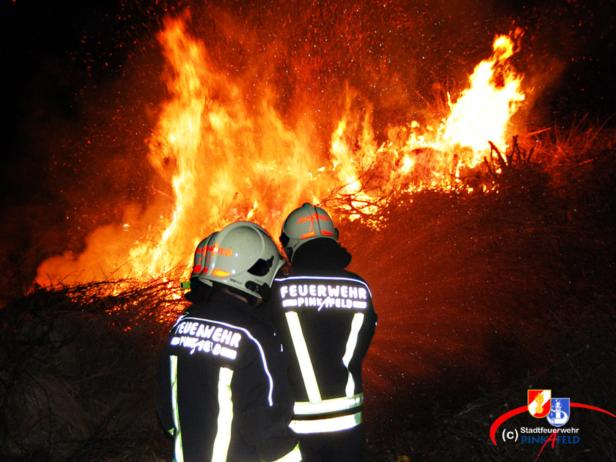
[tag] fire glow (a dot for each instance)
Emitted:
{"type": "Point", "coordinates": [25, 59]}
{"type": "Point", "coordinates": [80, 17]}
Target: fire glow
{"type": "Point", "coordinates": [226, 159]}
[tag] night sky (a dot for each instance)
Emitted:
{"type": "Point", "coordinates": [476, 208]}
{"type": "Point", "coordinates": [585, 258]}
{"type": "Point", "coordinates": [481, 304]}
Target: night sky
{"type": "Point", "coordinates": [81, 78]}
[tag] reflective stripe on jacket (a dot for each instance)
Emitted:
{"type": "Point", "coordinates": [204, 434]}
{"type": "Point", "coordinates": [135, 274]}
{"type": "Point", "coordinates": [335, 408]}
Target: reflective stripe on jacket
{"type": "Point", "coordinates": [222, 386]}
{"type": "Point", "coordinates": [326, 320]}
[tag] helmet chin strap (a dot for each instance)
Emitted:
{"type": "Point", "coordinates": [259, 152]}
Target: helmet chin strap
{"type": "Point", "coordinates": [234, 293]}
{"type": "Point", "coordinates": [263, 290]}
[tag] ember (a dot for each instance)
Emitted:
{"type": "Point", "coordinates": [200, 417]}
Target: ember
{"type": "Point", "coordinates": [225, 159]}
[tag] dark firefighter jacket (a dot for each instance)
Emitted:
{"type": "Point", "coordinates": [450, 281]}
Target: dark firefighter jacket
{"type": "Point", "coordinates": [222, 385]}
{"type": "Point", "coordinates": [326, 319]}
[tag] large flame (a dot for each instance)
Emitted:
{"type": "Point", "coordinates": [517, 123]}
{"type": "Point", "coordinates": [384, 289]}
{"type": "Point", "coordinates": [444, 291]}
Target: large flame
{"type": "Point", "coordinates": [415, 157]}
{"type": "Point", "coordinates": [226, 159]}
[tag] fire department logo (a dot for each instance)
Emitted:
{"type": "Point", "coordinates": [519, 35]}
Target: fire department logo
{"type": "Point", "coordinates": [539, 403]}
{"type": "Point", "coordinates": [560, 411]}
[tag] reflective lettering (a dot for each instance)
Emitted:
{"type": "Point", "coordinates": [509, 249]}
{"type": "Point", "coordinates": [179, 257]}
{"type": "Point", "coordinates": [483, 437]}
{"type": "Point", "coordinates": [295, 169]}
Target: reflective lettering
{"type": "Point", "coordinates": [235, 340]}
{"type": "Point", "coordinates": [208, 331]}
{"type": "Point", "coordinates": [228, 353]}
{"type": "Point", "coordinates": [224, 342]}
{"type": "Point", "coordinates": [319, 296]}
{"type": "Point", "coordinates": [217, 334]}
{"type": "Point", "coordinates": [226, 336]}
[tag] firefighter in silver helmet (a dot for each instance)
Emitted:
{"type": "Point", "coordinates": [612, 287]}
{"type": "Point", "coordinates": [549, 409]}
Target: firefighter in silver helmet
{"type": "Point", "coordinates": [222, 389]}
{"type": "Point", "coordinates": [326, 319]}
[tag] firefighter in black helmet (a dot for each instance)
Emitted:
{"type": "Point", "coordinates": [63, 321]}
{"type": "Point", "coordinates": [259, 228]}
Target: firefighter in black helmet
{"type": "Point", "coordinates": [222, 388]}
{"type": "Point", "coordinates": [325, 316]}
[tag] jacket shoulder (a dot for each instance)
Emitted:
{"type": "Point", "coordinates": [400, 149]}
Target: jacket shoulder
{"type": "Point", "coordinates": [352, 275]}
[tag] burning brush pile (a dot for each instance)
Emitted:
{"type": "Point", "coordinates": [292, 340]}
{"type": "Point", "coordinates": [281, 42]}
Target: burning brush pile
{"type": "Point", "coordinates": [488, 247]}
{"type": "Point", "coordinates": [223, 151]}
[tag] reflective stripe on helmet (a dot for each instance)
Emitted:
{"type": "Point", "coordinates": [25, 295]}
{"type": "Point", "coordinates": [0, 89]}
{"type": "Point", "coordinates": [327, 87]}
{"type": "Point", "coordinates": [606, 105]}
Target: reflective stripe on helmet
{"type": "Point", "coordinates": [333, 424]}
{"type": "Point", "coordinates": [328, 405]}
{"type": "Point", "coordinates": [358, 320]}
{"type": "Point", "coordinates": [178, 453]}
{"type": "Point", "coordinates": [220, 273]}
{"type": "Point", "coordinates": [225, 416]}
{"type": "Point", "coordinates": [233, 251]}
{"type": "Point", "coordinates": [199, 261]}
{"type": "Point", "coordinates": [303, 357]}
{"type": "Point", "coordinates": [294, 455]}
{"type": "Point", "coordinates": [304, 224]}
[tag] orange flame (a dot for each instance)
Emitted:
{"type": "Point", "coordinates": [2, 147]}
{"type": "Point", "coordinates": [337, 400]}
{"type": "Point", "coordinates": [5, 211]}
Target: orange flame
{"type": "Point", "coordinates": [483, 110]}
{"type": "Point", "coordinates": [226, 160]}
{"type": "Point", "coordinates": [432, 156]}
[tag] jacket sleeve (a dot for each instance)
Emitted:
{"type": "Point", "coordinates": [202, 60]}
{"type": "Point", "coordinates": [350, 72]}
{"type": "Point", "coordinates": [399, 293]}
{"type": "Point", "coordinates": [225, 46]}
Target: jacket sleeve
{"type": "Point", "coordinates": [163, 393]}
{"type": "Point", "coordinates": [262, 424]}
{"type": "Point", "coordinates": [364, 339]}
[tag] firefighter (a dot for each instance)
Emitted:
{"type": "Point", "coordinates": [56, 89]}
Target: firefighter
{"type": "Point", "coordinates": [325, 316]}
{"type": "Point", "coordinates": [222, 384]}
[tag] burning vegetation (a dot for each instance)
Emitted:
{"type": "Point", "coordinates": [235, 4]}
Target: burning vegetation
{"type": "Point", "coordinates": [487, 239]}
{"type": "Point", "coordinates": [226, 156]}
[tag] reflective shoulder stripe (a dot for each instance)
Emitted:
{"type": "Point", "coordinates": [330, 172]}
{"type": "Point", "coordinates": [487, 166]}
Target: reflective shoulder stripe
{"type": "Point", "coordinates": [178, 320]}
{"type": "Point", "coordinates": [358, 320]}
{"type": "Point", "coordinates": [303, 357]}
{"type": "Point", "coordinates": [225, 416]}
{"type": "Point", "coordinates": [328, 405]}
{"type": "Point", "coordinates": [178, 453]}
{"type": "Point", "coordinates": [294, 455]}
{"type": "Point", "coordinates": [270, 399]}
{"type": "Point", "coordinates": [333, 424]}
{"type": "Point", "coordinates": [325, 278]}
